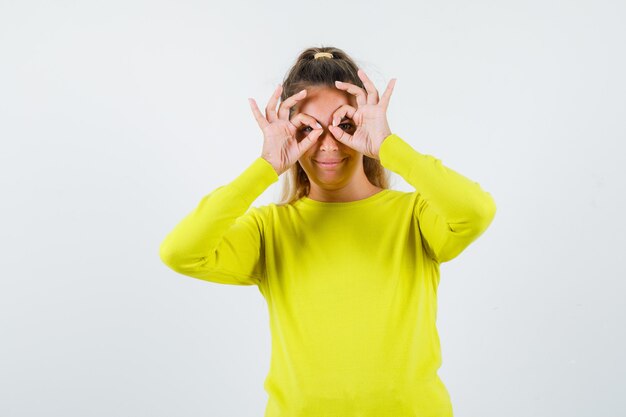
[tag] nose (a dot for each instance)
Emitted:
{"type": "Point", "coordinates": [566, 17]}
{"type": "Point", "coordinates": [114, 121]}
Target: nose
{"type": "Point", "coordinates": [327, 141]}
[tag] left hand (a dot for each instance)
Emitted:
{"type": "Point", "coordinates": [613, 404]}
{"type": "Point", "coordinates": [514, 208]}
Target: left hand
{"type": "Point", "coordinates": [370, 117]}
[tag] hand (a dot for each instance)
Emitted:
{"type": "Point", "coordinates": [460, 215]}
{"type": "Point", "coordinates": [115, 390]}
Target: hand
{"type": "Point", "coordinates": [280, 146]}
{"type": "Point", "coordinates": [370, 117]}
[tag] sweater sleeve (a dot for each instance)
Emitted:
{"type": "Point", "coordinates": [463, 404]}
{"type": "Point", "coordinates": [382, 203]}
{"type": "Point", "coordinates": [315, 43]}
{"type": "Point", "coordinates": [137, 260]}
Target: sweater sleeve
{"type": "Point", "coordinates": [452, 211]}
{"type": "Point", "coordinates": [221, 240]}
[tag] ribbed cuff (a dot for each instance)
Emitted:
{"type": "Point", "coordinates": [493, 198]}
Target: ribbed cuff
{"type": "Point", "coordinates": [396, 154]}
{"type": "Point", "coordinates": [252, 182]}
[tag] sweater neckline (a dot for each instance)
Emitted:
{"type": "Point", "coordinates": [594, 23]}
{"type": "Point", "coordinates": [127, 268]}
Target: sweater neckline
{"type": "Point", "coordinates": [309, 202]}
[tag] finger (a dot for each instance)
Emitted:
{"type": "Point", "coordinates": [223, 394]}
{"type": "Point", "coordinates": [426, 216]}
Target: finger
{"type": "Point", "coordinates": [357, 91]}
{"type": "Point", "coordinates": [384, 101]}
{"type": "Point", "coordinates": [301, 122]}
{"type": "Point", "coordinates": [270, 109]}
{"type": "Point", "coordinates": [372, 93]}
{"type": "Point", "coordinates": [341, 135]}
{"type": "Point", "coordinates": [344, 112]}
{"type": "Point", "coordinates": [303, 119]}
{"type": "Point", "coordinates": [308, 141]}
{"type": "Point", "coordinates": [261, 121]}
{"type": "Point", "coordinates": [285, 106]}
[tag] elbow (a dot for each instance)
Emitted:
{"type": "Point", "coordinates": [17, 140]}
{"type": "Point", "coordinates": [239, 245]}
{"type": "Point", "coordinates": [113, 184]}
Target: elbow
{"type": "Point", "coordinates": [183, 262]}
{"type": "Point", "coordinates": [462, 234]}
{"type": "Point", "coordinates": [488, 212]}
{"type": "Point", "coordinates": [484, 215]}
{"type": "Point", "coordinates": [167, 255]}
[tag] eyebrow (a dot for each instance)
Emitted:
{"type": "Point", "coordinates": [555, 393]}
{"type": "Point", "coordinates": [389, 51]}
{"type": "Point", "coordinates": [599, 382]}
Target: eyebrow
{"type": "Point", "coordinates": [344, 118]}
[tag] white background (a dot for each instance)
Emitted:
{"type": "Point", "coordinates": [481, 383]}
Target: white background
{"type": "Point", "coordinates": [117, 117]}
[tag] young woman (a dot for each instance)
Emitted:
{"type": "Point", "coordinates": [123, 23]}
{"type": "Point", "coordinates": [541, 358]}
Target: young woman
{"type": "Point", "coordinates": [349, 268]}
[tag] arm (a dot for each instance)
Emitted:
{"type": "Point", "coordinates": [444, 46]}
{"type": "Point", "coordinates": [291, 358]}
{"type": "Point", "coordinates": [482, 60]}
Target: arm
{"type": "Point", "coordinates": [221, 240]}
{"type": "Point", "coordinates": [451, 209]}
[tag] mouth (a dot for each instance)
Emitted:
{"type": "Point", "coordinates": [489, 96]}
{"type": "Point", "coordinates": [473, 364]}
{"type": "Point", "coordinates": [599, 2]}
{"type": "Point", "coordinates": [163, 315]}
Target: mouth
{"type": "Point", "coordinates": [330, 164]}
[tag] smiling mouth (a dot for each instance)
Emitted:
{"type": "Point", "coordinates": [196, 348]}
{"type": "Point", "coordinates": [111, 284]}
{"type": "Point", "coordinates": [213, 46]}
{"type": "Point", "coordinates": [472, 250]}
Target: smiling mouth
{"type": "Point", "coordinates": [329, 164]}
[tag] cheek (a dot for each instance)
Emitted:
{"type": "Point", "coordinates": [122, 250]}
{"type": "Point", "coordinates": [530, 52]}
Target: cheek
{"type": "Point", "coordinates": [305, 160]}
{"type": "Point", "coordinates": [305, 163]}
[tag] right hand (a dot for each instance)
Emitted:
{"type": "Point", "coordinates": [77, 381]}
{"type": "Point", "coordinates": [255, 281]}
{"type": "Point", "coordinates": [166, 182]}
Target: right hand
{"type": "Point", "coordinates": [281, 147]}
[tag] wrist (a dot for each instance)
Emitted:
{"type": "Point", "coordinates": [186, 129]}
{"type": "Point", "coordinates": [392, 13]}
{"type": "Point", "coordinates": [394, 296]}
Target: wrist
{"type": "Point", "coordinates": [384, 136]}
{"type": "Point", "coordinates": [272, 164]}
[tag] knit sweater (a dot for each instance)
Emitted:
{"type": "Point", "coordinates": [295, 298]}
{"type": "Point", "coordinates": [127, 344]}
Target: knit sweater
{"type": "Point", "coordinates": [351, 287]}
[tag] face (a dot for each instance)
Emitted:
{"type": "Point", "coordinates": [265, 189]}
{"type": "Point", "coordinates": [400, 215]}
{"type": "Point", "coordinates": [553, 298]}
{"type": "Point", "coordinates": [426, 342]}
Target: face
{"type": "Point", "coordinates": [345, 177]}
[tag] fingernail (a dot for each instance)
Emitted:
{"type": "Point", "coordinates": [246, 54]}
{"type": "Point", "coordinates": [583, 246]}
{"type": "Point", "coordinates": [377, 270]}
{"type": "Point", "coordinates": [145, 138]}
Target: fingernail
{"type": "Point", "coordinates": [319, 125]}
{"type": "Point", "coordinates": [337, 82]}
{"type": "Point", "coordinates": [302, 91]}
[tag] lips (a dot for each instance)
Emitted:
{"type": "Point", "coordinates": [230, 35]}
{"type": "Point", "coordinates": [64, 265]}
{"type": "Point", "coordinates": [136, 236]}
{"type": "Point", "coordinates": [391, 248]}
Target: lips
{"type": "Point", "coordinates": [329, 161]}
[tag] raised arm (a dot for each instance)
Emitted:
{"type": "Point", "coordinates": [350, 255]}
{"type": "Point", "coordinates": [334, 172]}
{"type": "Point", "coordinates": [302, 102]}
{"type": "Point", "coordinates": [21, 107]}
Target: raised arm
{"type": "Point", "coordinates": [221, 240]}
{"type": "Point", "coordinates": [451, 209]}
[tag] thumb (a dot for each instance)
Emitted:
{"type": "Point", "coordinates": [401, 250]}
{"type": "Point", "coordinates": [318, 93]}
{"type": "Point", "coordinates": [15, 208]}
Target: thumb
{"type": "Point", "coordinates": [340, 134]}
{"type": "Point", "coordinates": [308, 141]}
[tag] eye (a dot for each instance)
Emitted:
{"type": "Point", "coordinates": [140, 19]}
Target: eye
{"type": "Point", "coordinates": [346, 127]}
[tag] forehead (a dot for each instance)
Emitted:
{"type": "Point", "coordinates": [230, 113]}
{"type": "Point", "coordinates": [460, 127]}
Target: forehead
{"type": "Point", "coordinates": [321, 102]}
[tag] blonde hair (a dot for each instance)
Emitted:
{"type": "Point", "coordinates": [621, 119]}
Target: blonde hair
{"type": "Point", "coordinates": [321, 67]}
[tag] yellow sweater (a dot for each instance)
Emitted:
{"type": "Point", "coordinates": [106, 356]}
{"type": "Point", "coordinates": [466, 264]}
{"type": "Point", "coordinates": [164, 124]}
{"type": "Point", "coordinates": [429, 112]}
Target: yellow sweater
{"type": "Point", "coordinates": [351, 287]}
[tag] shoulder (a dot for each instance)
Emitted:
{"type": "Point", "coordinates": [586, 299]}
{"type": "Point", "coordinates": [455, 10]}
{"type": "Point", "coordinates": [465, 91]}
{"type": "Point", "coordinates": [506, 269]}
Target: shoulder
{"type": "Point", "coordinates": [264, 213]}
{"type": "Point", "coordinates": [398, 197]}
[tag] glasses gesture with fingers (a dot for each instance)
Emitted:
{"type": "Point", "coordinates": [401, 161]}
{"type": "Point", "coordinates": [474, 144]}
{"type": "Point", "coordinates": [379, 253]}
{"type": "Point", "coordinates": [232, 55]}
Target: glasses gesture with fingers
{"type": "Point", "coordinates": [281, 147]}
{"type": "Point", "coordinates": [370, 117]}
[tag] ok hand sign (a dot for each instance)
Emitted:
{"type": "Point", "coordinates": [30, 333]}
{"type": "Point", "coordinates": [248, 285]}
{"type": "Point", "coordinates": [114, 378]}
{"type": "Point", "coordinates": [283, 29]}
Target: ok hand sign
{"type": "Point", "coordinates": [370, 117]}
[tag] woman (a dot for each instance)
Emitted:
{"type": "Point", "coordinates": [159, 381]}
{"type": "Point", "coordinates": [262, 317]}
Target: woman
{"type": "Point", "coordinates": [349, 268]}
